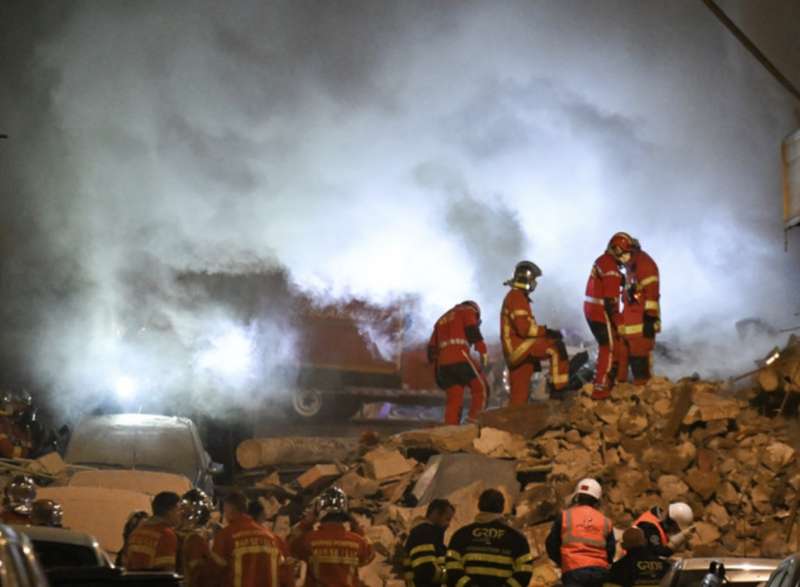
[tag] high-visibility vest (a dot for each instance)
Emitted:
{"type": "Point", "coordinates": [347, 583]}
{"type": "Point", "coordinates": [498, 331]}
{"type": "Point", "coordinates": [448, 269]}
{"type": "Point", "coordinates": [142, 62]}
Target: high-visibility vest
{"type": "Point", "coordinates": [584, 535]}
{"type": "Point", "coordinates": [649, 518]}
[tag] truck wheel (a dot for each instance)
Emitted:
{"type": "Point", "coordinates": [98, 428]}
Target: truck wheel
{"type": "Point", "coordinates": [313, 405]}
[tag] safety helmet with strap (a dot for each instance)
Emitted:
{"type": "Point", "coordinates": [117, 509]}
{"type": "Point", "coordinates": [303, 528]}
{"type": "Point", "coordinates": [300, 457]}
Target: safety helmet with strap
{"type": "Point", "coordinates": [525, 275]}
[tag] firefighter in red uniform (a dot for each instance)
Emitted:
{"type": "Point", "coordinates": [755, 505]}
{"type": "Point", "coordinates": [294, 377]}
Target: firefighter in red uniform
{"type": "Point", "coordinates": [453, 335]}
{"type": "Point", "coordinates": [194, 554]}
{"type": "Point", "coordinates": [18, 498]}
{"type": "Point", "coordinates": [601, 309]}
{"type": "Point", "coordinates": [581, 540]}
{"type": "Point", "coordinates": [153, 545]}
{"type": "Point", "coordinates": [249, 554]}
{"type": "Point", "coordinates": [526, 343]}
{"type": "Point", "coordinates": [641, 317]}
{"type": "Point", "coordinates": [333, 553]}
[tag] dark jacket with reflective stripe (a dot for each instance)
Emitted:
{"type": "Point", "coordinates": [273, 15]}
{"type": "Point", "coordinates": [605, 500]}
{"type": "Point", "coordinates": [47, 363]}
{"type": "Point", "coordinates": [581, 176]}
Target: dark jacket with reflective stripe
{"type": "Point", "coordinates": [488, 553]}
{"type": "Point", "coordinates": [639, 567]}
{"type": "Point", "coordinates": [425, 556]}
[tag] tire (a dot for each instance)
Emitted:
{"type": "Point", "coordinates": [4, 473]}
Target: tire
{"type": "Point", "coordinates": [313, 405]}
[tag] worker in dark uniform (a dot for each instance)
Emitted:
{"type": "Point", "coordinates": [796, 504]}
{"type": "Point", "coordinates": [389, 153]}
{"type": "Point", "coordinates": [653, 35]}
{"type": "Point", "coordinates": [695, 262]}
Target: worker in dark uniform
{"type": "Point", "coordinates": [425, 549]}
{"type": "Point", "coordinates": [489, 552]}
{"type": "Point", "coordinates": [640, 566]}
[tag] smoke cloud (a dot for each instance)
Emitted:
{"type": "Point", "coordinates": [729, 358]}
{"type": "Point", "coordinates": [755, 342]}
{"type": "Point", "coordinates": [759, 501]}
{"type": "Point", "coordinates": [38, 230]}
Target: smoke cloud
{"type": "Point", "coordinates": [376, 151]}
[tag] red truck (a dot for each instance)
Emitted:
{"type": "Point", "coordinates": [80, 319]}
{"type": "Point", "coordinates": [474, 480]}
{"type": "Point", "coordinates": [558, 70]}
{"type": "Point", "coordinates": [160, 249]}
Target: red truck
{"type": "Point", "coordinates": [345, 354]}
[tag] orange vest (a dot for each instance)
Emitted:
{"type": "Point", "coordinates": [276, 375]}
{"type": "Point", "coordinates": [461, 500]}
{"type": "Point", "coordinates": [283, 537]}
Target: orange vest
{"type": "Point", "coordinates": [333, 555]}
{"type": "Point", "coordinates": [584, 535]}
{"type": "Point", "coordinates": [649, 518]}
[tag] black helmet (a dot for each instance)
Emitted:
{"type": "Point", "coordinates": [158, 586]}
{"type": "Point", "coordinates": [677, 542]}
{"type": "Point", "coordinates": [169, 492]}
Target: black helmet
{"type": "Point", "coordinates": [46, 512]}
{"type": "Point", "coordinates": [332, 501]}
{"type": "Point", "coordinates": [196, 508]}
{"type": "Point", "coordinates": [473, 305]}
{"type": "Point", "coordinates": [525, 275]}
{"type": "Point", "coordinates": [19, 494]}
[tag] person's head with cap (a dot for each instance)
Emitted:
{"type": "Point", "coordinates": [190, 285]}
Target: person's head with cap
{"type": "Point", "coordinates": [587, 492]}
{"type": "Point", "coordinates": [633, 538]}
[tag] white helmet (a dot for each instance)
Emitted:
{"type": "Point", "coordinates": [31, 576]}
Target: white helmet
{"type": "Point", "coordinates": [589, 487]}
{"type": "Point", "coordinates": [681, 514]}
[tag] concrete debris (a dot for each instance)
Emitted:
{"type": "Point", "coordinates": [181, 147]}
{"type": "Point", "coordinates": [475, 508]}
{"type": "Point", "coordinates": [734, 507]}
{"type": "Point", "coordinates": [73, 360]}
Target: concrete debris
{"type": "Point", "coordinates": [265, 452]}
{"type": "Point", "coordinates": [689, 441]}
{"type": "Point", "coordinates": [499, 443]}
{"type": "Point", "coordinates": [383, 463]}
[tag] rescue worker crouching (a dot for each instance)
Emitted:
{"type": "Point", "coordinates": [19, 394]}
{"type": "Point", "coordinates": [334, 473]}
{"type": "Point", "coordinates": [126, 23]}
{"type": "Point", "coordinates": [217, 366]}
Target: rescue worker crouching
{"type": "Point", "coordinates": [666, 530]}
{"type": "Point", "coordinates": [332, 552]}
{"type": "Point", "coordinates": [640, 566]}
{"type": "Point", "coordinates": [194, 554]}
{"type": "Point", "coordinates": [247, 554]}
{"type": "Point", "coordinates": [641, 317]}
{"type": "Point", "coordinates": [526, 343]}
{"type": "Point", "coordinates": [424, 564]}
{"type": "Point", "coordinates": [489, 553]}
{"type": "Point", "coordinates": [449, 350]}
{"type": "Point", "coordinates": [18, 497]}
{"type": "Point", "coordinates": [153, 545]}
{"type": "Point", "coordinates": [581, 540]}
{"type": "Point", "coordinates": [601, 308]}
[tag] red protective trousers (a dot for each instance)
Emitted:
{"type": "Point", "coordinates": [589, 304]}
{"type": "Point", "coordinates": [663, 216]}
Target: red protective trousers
{"type": "Point", "coordinates": [521, 373]}
{"type": "Point", "coordinates": [453, 378]}
{"type": "Point", "coordinates": [635, 350]}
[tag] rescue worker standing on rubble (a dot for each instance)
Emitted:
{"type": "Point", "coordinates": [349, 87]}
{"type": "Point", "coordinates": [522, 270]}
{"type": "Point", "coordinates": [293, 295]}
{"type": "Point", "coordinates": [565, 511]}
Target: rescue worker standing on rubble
{"type": "Point", "coordinates": [641, 317]}
{"type": "Point", "coordinates": [425, 549]}
{"type": "Point", "coordinates": [18, 497]}
{"type": "Point", "coordinates": [194, 555]}
{"type": "Point", "coordinates": [581, 540]}
{"type": "Point", "coordinates": [448, 349]}
{"type": "Point", "coordinates": [16, 409]}
{"type": "Point", "coordinates": [601, 308]}
{"type": "Point", "coordinates": [526, 343]}
{"type": "Point", "coordinates": [489, 552]}
{"type": "Point", "coordinates": [640, 566]}
{"type": "Point", "coordinates": [332, 552]}
{"type": "Point", "coordinates": [666, 531]}
{"type": "Point", "coordinates": [248, 554]}
{"type": "Point", "coordinates": [153, 545]}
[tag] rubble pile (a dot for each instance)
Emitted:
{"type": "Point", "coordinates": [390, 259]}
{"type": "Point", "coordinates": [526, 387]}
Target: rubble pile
{"type": "Point", "coordinates": [689, 441]}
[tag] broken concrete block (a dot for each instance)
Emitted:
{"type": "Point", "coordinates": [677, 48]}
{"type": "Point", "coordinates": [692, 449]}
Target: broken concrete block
{"type": "Point", "coordinates": [703, 483]}
{"type": "Point", "coordinates": [356, 486]}
{"type": "Point", "coordinates": [500, 443]}
{"type": "Point", "coordinates": [51, 464]}
{"type": "Point", "coordinates": [672, 488]}
{"type": "Point", "coordinates": [717, 515]}
{"type": "Point", "coordinates": [776, 456]}
{"type": "Point", "coordinates": [704, 534]}
{"type": "Point", "coordinates": [300, 450]}
{"type": "Point", "coordinates": [273, 479]}
{"type": "Point", "coordinates": [527, 421]}
{"type": "Point", "coordinates": [383, 539]}
{"type": "Point", "coordinates": [445, 474]}
{"type": "Point", "coordinates": [318, 475]}
{"type": "Point", "coordinates": [708, 406]}
{"type": "Point", "coordinates": [382, 464]}
{"type": "Point", "coordinates": [634, 422]}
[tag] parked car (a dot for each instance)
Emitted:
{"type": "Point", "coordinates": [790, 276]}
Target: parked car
{"type": "Point", "coordinates": [59, 547]}
{"type": "Point", "coordinates": [787, 574]}
{"type": "Point", "coordinates": [18, 564]}
{"type": "Point", "coordinates": [145, 442]}
{"type": "Point", "coordinates": [739, 572]}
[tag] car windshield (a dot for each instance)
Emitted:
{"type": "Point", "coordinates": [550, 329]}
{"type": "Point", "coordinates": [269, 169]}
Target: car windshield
{"type": "Point", "coordinates": [695, 579]}
{"type": "Point", "coordinates": [52, 555]}
{"type": "Point", "coordinates": [134, 445]}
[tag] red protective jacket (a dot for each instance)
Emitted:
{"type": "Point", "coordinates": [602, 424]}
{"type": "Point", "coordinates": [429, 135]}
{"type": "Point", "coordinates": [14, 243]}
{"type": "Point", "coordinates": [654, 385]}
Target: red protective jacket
{"type": "Point", "coordinates": [603, 290]}
{"type": "Point", "coordinates": [518, 327]}
{"type": "Point", "coordinates": [251, 555]}
{"type": "Point", "coordinates": [333, 554]}
{"type": "Point", "coordinates": [453, 335]}
{"type": "Point", "coordinates": [153, 545]}
{"type": "Point", "coordinates": [642, 295]}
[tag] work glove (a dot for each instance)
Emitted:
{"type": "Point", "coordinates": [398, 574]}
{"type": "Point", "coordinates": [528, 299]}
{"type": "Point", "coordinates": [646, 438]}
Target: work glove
{"type": "Point", "coordinates": [676, 541]}
{"type": "Point", "coordinates": [553, 333]}
{"type": "Point", "coordinates": [650, 326]}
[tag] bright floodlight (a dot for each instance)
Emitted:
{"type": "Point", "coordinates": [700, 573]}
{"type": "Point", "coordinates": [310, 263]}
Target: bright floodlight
{"type": "Point", "coordinates": [125, 387]}
{"type": "Point", "coordinates": [231, 354]}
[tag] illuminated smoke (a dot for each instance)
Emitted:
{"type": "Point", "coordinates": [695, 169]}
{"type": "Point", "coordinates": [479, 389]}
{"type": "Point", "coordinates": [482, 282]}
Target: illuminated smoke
{"type": "Point", "coordinates": [374, 150]}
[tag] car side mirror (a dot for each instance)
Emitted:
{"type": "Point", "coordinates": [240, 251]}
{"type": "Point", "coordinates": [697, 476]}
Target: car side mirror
{"type": "Point", "coordinates": [216, 468]}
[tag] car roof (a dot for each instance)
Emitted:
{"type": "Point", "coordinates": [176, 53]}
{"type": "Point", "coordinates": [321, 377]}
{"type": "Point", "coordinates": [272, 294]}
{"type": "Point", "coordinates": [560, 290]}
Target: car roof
{"type": "Point", "coordinates": [731, 563]}
{"type": "Point", "coordinates": [63, 535]}
{"type": "Point", "coordinates": [137, 421]}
